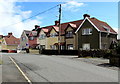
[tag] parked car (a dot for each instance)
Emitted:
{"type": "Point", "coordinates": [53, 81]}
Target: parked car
{"type": "Point", "coordinates": [12, 51]}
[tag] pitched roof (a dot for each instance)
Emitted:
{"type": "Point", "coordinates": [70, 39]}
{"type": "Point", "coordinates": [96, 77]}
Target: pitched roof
{"type": "Point", "coordinates": [11, 40]}
{"type": "Point", "coordinates": [73, 24]}
{"type": "Point", "coordinates": [102, 25]}
{"type": "Point", "coordinates": [33, 33]}
{"type": "Point", "coordinates": [27, 32]}
{"type": "Point", "coordinates": [99, 25]}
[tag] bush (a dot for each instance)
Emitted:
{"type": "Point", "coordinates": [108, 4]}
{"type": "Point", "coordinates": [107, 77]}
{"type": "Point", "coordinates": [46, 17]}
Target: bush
{"type": "Point", "coordinates": [118, 49]}
{"type": "Point", "coordinates": [95, 53]}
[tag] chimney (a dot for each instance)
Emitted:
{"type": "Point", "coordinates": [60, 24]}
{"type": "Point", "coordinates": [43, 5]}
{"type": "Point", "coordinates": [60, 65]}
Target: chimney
{"type": "Point", "coordinates": [36, 26]}
{"type": "Point", "coordinates": [86, 15]}
{"type": "Point", "coordinates": [9, 34]}
{"type": "Point", "coordinates": [56, 23]}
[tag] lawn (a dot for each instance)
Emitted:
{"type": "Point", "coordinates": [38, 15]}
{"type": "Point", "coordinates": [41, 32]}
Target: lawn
{"type": "Point", "coordinates": [1, 62]}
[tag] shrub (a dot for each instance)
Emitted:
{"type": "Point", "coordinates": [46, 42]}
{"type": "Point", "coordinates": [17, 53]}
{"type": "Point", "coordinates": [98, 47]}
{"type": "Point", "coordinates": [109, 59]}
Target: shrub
{"type": "Point", "coordinates": [118, 49]}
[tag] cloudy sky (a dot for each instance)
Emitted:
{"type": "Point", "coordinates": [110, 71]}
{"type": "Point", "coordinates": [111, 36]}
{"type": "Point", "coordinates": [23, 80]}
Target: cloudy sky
{"type": "Point", "coordinates": [13, 12]}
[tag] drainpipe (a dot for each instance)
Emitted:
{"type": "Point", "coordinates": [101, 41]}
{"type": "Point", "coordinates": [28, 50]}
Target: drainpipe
{"type": "Point", "coordinates": [100, 40]}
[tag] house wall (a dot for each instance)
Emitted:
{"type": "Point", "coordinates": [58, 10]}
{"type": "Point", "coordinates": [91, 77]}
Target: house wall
{"type": "Point", "coordinates": [32, 42]}
{"type": "Point", "coordinates": [72, 40]}
{"type": "Point", "coordinates": [106, 40]}
{"type": "Point", "coordinates": [92, 39]}
{"type": "Point", "coordinates": [0, 44]}
{"type": "Point", "coordinates": [23, 42]}
{"type": "Point", "coordinates": [3, 44]}
{"type": "Point", "coordinates": [51, 40]}
{"type": "Point", "coordinates": [42, 41]}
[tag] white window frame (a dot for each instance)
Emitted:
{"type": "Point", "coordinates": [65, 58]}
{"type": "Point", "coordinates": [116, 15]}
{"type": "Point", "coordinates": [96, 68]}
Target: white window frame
{"type": "Point", "coordinates": [53, 35]}
{"type": "Point", "coordinates": [87, 31]}
{"type": "Point", "coordinates": [31, 38]}
{"type": "Point", "coordinates": [42, 36]}
{"type": "Point", "coordinates": [69, 34]}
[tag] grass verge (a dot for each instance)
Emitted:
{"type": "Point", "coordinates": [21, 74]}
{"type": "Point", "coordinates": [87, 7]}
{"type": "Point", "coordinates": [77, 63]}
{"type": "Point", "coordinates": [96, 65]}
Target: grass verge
{"type": "Point", "coordinates": [1, 62]}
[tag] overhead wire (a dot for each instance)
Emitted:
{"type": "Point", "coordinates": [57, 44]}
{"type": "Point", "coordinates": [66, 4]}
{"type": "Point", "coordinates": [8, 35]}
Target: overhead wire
{"type": "Point", "coordinates": [32, 16]}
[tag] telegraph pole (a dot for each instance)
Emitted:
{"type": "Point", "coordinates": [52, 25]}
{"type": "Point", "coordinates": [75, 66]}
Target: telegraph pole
{"type": "Point", "coordinates": [59, 38]}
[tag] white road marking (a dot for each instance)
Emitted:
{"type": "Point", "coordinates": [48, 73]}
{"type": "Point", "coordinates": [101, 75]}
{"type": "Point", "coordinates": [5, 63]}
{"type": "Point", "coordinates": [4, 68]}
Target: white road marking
{"type": "Point", "coordinates": [29, 81]}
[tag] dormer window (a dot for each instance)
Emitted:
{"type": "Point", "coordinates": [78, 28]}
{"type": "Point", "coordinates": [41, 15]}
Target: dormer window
{"type": "Point", "coordinates": [87, 31]}
{"type": "Point", "coordinates": [106, 28]}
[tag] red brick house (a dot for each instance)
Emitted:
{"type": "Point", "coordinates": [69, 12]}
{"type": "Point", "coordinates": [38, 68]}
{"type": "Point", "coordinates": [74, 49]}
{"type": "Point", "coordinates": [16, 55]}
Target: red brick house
{"type": "Point", "coordinates": [10, 42]}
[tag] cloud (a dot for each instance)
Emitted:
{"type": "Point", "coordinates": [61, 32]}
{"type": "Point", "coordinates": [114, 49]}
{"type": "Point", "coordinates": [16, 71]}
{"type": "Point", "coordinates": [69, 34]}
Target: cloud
{"type": "Point", "coordinates": [11, 13]}
{"type": "Point", "coordinates": [72, 6]}
{"type": "Point", "coordinates": [116, 29]}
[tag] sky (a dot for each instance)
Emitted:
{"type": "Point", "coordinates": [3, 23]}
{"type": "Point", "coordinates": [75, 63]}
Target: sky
{"type": "Point", "coordinates": [13, 12]}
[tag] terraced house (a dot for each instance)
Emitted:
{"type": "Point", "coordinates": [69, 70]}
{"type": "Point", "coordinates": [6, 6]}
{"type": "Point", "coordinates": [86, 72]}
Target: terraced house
{"type": "Point", "coordinates": [24, 39]}
{"type": "Point", "coordinates": [1, 38]}
{"type": "Point", "coordinates": [87, 33]}
{"type": "Point", "coordinates": [48, 37]}
{"type": "Point", "coordinates": [9, 42]}
{"type": "Point", "coordinates": [29, 39]}
{"type": "Point", "coordinates": [95, 34]}
{"type": "Point", "coordinates": [42, 38]}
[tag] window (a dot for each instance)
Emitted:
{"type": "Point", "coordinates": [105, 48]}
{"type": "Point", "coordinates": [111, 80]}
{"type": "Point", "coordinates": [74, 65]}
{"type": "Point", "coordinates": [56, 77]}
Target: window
{"type": "Point", "coordinates": [53, 47]}
{"type": "Point", "coordinates": [42, 36]}
{"type": "Point", "coordinates": [53, 35]}
{"type": "Point", "coordinates": [23, 38]}
{"type": "Point", "coordinates": [86, 46]}
{"type": "Point", "coordinates": [70, 46]}
{"type": "Point", "coordinates": [69, 34]}
{"type": "Point", "coordinates": [31, 38]}
{"type": "Point", "coordinates": [42, 46]}
{"type": "Point", "coordinates": [87, 31]}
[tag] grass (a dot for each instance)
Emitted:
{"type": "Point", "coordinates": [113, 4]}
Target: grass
{"type": "Point", "coordinates": [1, 62]}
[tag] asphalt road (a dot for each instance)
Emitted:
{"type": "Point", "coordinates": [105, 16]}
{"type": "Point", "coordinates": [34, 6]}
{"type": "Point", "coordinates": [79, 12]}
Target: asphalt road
{"type": "Point", "coordinates": [42, 68]}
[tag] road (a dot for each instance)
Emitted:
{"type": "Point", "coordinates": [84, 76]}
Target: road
{"type": "Point", "coordinates": [43, 68]}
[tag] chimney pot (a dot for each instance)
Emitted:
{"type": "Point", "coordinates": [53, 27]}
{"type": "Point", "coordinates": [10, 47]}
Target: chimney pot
{"type": "Point", "coordinates": [86, 15]}
{"type": "Point", "coordinates": [56, 23]}
{"type": "Point", "coordinates": [36, 26]}
{"type": "Point", "coordinates": [10, 34]}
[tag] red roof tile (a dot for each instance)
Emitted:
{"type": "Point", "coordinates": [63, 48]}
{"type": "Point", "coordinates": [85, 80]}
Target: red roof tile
{"type": "Point", "coordinates": [11, 40]}
{"type": "Point", "coordinates": [101, 25]}
{"type": "Point", "coordinates": [75, 24]}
